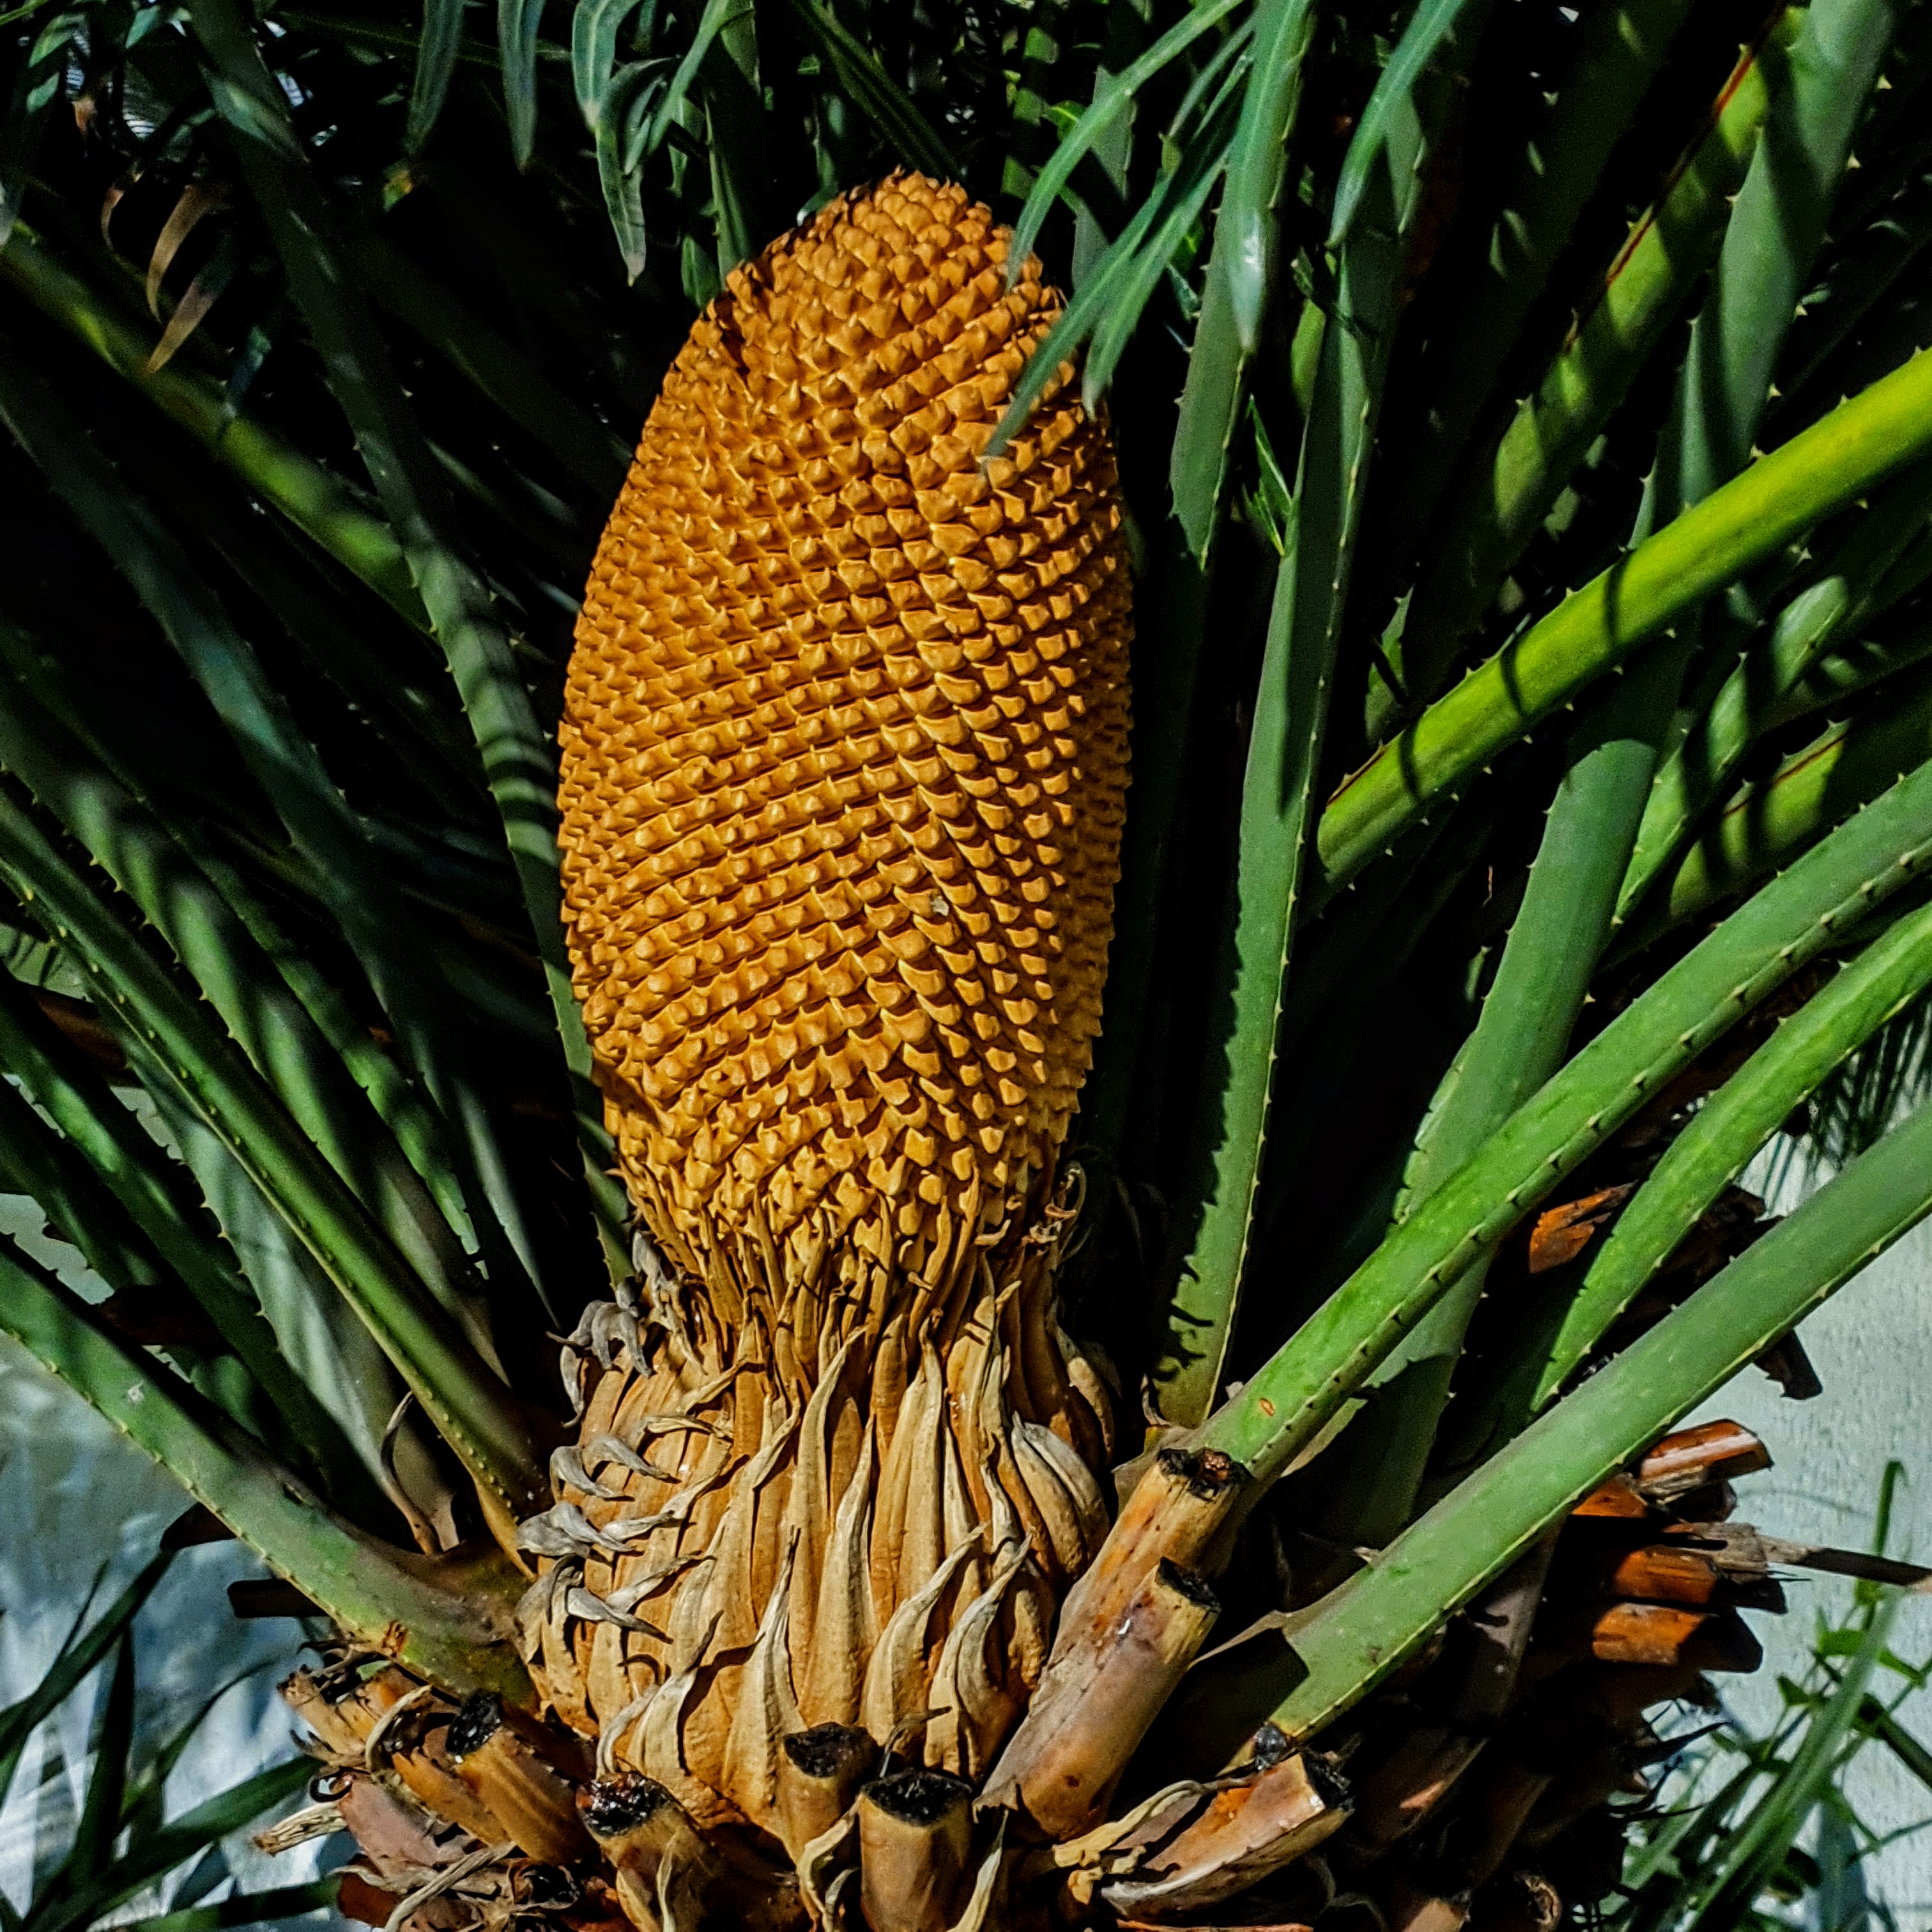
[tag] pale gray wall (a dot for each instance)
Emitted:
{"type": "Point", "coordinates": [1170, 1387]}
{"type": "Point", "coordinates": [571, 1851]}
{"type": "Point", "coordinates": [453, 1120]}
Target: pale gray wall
{"type": "Point", "coordinates": [1872, 1344]}
{"type": "Point", "coordinates": [77, 1499]}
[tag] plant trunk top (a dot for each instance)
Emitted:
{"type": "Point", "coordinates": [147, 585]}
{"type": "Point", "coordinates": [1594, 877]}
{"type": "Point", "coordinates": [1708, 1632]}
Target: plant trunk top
{"type": "Point", "coordinates": [844, 764]}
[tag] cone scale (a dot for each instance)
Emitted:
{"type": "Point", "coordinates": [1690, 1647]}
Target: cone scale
{"type": "Point", "coordinates": [844, 765]}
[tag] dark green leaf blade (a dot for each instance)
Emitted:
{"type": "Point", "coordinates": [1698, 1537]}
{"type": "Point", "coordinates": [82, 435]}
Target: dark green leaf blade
{"type": "Point", "coordinates": [244, 1908]}
{"type": "Point", "coordinates": [1432, 24]}
{"type": "Point", "coordinates": [435, 61]}
{"type": "Point", "coordinates": [881, 100]}
{"type": "Point", "coordinates": [519, 25]}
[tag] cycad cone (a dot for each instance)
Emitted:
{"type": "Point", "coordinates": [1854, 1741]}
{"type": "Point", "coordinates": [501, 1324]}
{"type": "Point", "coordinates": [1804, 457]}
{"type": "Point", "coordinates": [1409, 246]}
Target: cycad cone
{"type": "Point", "coordinates": [844, 760]}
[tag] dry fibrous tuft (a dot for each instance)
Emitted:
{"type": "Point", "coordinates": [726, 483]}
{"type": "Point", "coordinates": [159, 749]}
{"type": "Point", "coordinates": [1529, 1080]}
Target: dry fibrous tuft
{"type": "Point", "coordinates": [844, 767]}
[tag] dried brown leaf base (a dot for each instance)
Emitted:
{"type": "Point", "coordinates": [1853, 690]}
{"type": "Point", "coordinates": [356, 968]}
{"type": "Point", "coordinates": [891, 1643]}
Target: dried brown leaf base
{"type": "Point", "coordinates": [1487, 1787]}
{"type": "Point", "coordinates": [1492, 1789]}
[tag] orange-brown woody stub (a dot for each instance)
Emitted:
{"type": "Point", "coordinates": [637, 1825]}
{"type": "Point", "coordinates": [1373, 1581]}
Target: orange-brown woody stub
{"type": "Point", "coordinates": [845, 746]}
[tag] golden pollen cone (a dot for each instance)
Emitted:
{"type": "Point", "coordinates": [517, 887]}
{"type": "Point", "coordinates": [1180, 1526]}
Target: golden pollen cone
{"type": "Point", "coordinates": [844, 758]}
{"type": "Point", "coordinates": [844, 746]}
